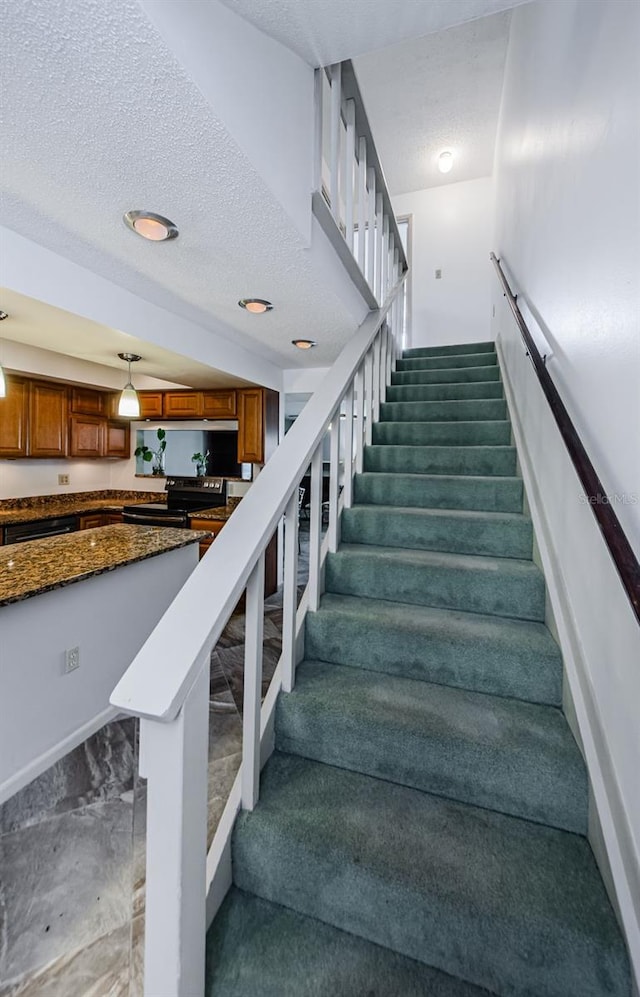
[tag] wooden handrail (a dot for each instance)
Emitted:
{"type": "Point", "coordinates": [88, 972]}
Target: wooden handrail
{"type": "Point", "coordinates": [614, 536]}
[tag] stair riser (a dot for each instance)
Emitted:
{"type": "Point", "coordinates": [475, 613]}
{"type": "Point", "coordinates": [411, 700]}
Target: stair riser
{"type": "Point", "coordinates": [544, 779]}
{"type": "Point", "coordinates": [369, 525]}
{"type": "Point", "coordinates": [468, 917]}
{"type": "Point", "coordinates": [449, 351]}
{"type": "Point", "coordinates": [441, 460]}
{"type": "Point", "coordinates": [448, 376]}
{"type": "Point", "coordinates": [481, 494]}
{"type": "Point", "coordinates": [443, 392]}
{"type": "Point", "coordinates": [447, 363]}
{"type": "Point", "coordinates": [443, 587]}
{"type": "Point", "coordinates": [450, 434]}
{"type": "Point", "coordinates": [480, 661]}
{"type": "Point", "coordinates": [464, 410]}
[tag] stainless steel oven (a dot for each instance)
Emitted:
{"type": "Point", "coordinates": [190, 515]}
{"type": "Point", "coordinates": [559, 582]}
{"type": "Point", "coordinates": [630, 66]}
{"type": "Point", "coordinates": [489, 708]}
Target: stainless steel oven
{"type": "Point", "coordinates": [184, 495]}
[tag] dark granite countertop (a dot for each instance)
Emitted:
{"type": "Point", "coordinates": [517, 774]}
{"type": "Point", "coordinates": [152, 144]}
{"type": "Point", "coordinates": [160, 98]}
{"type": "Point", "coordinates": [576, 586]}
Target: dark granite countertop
{"type": "Point", "coordinates": [216, 514]}
{"type": "Point", "coordinates": [28, 510]}
{"type": "Point", "coordinates": [37, 566]}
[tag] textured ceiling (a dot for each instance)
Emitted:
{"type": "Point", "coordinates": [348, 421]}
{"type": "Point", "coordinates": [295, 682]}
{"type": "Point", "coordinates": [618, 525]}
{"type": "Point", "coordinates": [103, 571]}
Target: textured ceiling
{"type": "Point", "coordinates": [327, 31]}
{"type": "Point", "coordinates": [100, 118]}
{"type": "Point", "coordinates": [34, 323]}
{"type": "Point", "coordinates": [435, 93]}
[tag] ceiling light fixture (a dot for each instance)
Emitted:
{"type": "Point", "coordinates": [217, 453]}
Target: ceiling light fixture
{"type": "Point", "coordinates": [257, 306]}
{"type": "Point", "coordinates": [129, 404]}
{"type": "Point", "coordinates": [3, 383]}
{"type": "Point", "coordinates": [445, 162]}
{"type": "Point", "coordinates": [304, 344]}
{"type": "Point", "coordinates": [150, 226]}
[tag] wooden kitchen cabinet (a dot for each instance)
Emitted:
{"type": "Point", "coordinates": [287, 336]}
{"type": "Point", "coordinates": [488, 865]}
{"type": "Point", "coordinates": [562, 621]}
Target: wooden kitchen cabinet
{"type": "Point", "coordinates": [182, 404]}
{"type": "Point", "coordinates": [14, 415]}
{"type": "Point", "coordinates": [86, 436]}
{"type": "Point", "coordinates": [257, 424]}
{"type": "Point", "coordinates": [212, 526]}
{"type": "Point", "coordinates": [150, 404]}
{"type": "Point", "coordinates": [117, 439]}
{"type": "Point", "coordinates": [90, 520]}
{"type": "Point", "coordinates": [88, 401]}
{"type": "Point", "coordinates": [219, 404]}
{"type": "Point", "coordinates": [113, 518]}
{"type": "Point", "coordinates": [48, 411]}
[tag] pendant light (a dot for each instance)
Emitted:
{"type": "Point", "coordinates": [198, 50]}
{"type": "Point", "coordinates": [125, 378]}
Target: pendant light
{"type": "Point", "coordinates": [3, 383]}
{"type": "Point", "coordinates": [129, 404]}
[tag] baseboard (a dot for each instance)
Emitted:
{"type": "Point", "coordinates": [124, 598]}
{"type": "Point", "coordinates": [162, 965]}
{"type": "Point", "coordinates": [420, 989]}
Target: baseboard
{"type": "Point", "coordinates": [48, 758]}
{"type": "Point", "coordinates": [619, 866]}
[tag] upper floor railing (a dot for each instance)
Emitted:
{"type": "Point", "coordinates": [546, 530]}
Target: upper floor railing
{"type": "Point", "coordinates": [615, 538]}
{"type": "Point", "coordinates": [351, 199]}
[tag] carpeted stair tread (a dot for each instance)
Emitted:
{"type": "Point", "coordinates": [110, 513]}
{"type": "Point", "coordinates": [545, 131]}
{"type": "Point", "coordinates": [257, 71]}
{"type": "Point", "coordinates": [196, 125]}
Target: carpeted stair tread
{"type": "Point", "coordinates": [451, 350]}
{"type": "Point", "coordinates": [443, 392]}
{"type": "Point", "coordinates": [503, 754]}
{"type": "Point", "coordinates": [498, 534]}
{"type": "Point", "coordinates": [456, 410]}
{"type": "Point", "coordinates": [483, 372]}
{"type": "Point", "coordinates": [481, 460]}
{"type": "Point", "coordinates": [489, 493]}
{"type": "Point", "coordinates": [483, 432]}
{"type": "Point", "coordinates": [504, 903]}
{"type": "Point", "coordinates": [487, 585]}
{"type": "Point", "coordinates": [503, 657]}
{"type": "Point", "coordinates": [259, 949]}
{"type": "Point", "coordinates": [452, 361]}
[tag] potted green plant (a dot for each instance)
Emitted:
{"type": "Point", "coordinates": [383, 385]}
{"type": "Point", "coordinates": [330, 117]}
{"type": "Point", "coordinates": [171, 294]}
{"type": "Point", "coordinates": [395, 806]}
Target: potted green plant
{"type": "Point", "coordinates": [200, 460]}
{"type": "Point", "coordinates": [157, 455]}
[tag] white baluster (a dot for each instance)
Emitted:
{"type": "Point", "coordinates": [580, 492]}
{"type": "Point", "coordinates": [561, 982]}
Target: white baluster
{"type": "Point", "coordinates": [349, 168]}
{"type": "Point", "coordinates": [385, 256]}
{"type": "Point", "coordinates": [335, 76]}
{"type": "Point", "coordinates": [174, 759]}
{"type": "Point", "coordinates": [362, 202]}
{"type": "Point", "coordinates": [348, 448]}
{"type": "Point", "coordinates": [384, 344]}
{"type": "Point", "coordinates": [390, 281]}
{"type": "Point", "coordinates": [375, 397]}
{"type": "Point", "coordinates": [290, 593]}
{"type": "Point", "coordinates": [253, 632]}
{"type": "Point", "coordinates": [317, 137]}
{"type": "Point", "coordinates": [359, 383]}
{"type": "Point", "coordinates": [390, 347]}
{"type": "Point", "coordinates": [334, 482]}
{"type": "Point", "coordinates": [368, 396]}
{"type": "Point", "coordinates": [379, 228]}
{"type": "Point", "coordinates": [315, 530]}
{"type": "Point", "coordinates": [371, 228]}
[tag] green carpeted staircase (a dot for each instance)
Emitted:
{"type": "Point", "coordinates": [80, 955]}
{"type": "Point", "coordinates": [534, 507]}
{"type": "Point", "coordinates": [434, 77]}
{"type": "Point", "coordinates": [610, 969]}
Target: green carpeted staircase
{"type": "Point", "coordinates": [421, 825]}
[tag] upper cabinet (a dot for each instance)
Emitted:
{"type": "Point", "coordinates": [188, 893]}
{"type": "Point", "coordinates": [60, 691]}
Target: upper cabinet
{"type": "Point", "coordinates": [150, 404]}
{"type": "Point", "coordinates": [219, 404]}
{"type": "Point", "coordinates": [14, 416]}
{"type": "Point", "coordinates": [48, 428]}
{"type": "Point", "coordinates": [182, 404]}
{"type": "Point", "coordinates": [45, 419]}
{"type": "Point", "coordinates": [250, 426]}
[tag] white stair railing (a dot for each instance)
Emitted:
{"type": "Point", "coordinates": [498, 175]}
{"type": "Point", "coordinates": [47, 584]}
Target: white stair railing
{"type": "Point", "coordinates": [167, 685]}
{"type": "Point", "coordinates": [351, 200]}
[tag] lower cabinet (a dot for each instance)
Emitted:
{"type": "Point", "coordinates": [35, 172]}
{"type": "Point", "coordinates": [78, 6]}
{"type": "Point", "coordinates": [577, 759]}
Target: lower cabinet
{"type": "Point", "coordinates": [91, 520]}
{"type": "Point", "coordinates": [212, 526]}
{"type": "Point", "coordinates": [270, 555]}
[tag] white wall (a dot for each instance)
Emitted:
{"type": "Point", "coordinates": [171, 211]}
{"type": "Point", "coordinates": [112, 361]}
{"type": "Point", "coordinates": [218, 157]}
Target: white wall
{"type": "Point", "coordinates": [451, 231]}
{"type": "Point", "coordinates": [568, 216]}
{"type": "Point", "coordinates": [45, 712]}
{"type": "Point", "coordinates": [567, 230]}
{"type": "Point", "coordinates": [260, 89]}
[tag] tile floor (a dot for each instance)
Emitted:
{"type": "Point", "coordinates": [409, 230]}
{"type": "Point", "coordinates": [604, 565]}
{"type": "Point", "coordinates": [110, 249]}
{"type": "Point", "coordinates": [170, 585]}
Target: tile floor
{"type": "Point", "coordinates": [72, 843]}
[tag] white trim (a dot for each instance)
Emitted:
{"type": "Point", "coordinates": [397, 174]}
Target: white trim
{"type": "Point", "coordinates": [44, 761]}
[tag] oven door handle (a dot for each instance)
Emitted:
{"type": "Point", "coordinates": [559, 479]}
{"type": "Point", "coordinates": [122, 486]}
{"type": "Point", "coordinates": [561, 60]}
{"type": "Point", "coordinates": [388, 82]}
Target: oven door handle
{"type": "Point", "coordinates": [152, 520]}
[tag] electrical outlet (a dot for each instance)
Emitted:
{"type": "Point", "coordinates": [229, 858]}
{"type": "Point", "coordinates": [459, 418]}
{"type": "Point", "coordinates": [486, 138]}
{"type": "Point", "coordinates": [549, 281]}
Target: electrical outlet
{"type": "Point", "coordinates": [438, 274]}
{"type": "Point", "coordinates": [63, 479]}
{"type": "Point", "coordinates": [71, 659]}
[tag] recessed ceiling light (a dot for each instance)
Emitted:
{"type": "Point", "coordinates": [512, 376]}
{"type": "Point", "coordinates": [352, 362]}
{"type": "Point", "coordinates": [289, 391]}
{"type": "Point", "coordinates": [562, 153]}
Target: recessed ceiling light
{"type": "Point", "coordinates": [445, 162]}
{"type": "Point", "coordinates": [257, 306]}
{"type": "Point", "coordinates": [304, 344]}
{"type": "Point", "coordinates": [157, 228]}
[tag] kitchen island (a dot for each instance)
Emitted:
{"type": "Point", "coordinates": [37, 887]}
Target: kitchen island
{"type": "Point", "coordinates": [74, 611]}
